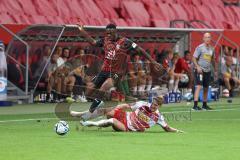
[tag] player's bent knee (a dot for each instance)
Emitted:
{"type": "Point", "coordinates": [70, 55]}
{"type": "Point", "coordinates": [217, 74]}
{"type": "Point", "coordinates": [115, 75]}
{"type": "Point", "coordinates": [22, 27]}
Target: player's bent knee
{"type": "Point", "coordinates": [90, 85]}
{"type": "Point", "coordinates": [110, 114]}
{"type": "Point", "coordinates": [118, 126]}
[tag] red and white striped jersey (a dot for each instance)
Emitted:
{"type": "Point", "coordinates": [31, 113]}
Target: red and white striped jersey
{"type": "Point", "coordinates": [142, 117]}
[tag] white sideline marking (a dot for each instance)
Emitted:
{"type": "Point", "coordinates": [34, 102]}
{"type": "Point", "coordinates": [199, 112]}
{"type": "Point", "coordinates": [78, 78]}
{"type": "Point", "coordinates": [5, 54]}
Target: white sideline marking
{"type": "Point", "coordinates": [202, 111]}
{"type": "Point", "coordinates": [185, 111]}
{"type": "Point", "coordinates": [24, 120]}
{"type": "Point", "coordinates": [217, 119]}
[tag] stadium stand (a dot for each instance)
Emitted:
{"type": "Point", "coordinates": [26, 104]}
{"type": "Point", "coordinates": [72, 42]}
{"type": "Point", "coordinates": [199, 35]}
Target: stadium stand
{"type": "Point", "coordinates": [154, 13]}
{"type": "Point", "coordinates": [133, 13]}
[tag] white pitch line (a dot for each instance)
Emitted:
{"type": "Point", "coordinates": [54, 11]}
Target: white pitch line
{"type": "Point", "coordinates": [218, 119]}
{"type": "Point", "coordinates": [215, 110]}
{"type": "Point", "coordinates": [185, 111]}
{"type": "Point", "coordinates": [24, 120]}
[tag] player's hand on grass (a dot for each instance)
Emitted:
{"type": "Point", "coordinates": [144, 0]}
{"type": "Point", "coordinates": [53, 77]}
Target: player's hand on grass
{"type": "Point", "coordinates": [180, 131]}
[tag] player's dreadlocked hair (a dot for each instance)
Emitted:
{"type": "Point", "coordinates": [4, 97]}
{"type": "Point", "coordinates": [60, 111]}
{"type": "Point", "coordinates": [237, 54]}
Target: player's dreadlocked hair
{"type": "Point", "coordinates": [111, 26]}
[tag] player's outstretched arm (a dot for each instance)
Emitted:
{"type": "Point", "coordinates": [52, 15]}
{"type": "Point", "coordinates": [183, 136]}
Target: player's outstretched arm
{"type": "Point", "coordinates": [148, 56]}
{"type": "Point", "coordinates": [145, 54]}
{"type": "Point", "coordinates": [171, 129]}
{"type": "Point", "coordinates": [87, 36]}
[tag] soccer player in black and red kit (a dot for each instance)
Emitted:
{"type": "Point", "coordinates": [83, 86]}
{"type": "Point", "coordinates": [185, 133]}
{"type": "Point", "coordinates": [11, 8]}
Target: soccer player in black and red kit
{"type": "Point", "coordinates": [115, 61]}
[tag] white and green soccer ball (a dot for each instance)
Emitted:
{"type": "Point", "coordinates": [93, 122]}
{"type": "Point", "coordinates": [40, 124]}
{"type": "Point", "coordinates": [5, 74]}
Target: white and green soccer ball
{"type": "Point", "coordinates": [61, 128]}
{"type": "Point", "coordinates": [188, 97]}
{"type": "Point", "coordinates": [184, 78]}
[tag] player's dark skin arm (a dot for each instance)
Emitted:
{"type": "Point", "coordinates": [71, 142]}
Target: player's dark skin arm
{"type": "Point", "coordinates": [145, 54]}
{"type": "Point", "coordinates": [139, 49]}
{"type": "Point", "coordinates": [87, 36]}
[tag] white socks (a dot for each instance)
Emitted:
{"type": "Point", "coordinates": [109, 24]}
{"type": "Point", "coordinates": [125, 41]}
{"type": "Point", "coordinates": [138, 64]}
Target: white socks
{"type": "Point", "coordinates": [176, 85]}
{"type": "Point", "coordinates": [170, 85]}
{"type": "Point", "coordinates": [135, 90]}
{"type": "Point", "coordinates": [141, 89]}
{"type": "Point", "coordinates": [149, 86]}
{"type": "Point", "coordinates": [101, 123]}
{"type": "Point", "coordinates": [87, 115]}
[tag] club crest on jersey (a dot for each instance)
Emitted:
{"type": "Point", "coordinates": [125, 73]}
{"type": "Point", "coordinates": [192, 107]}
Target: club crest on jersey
{"type": "Point", "coordinates": [117, 46]}
{"type": "Point", "coordinates": [111, 54]}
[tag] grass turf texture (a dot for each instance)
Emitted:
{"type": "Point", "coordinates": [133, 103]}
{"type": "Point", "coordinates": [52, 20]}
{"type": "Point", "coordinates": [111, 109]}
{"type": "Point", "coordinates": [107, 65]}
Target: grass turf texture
{"type": "Point", "coordinates": [26, 134]}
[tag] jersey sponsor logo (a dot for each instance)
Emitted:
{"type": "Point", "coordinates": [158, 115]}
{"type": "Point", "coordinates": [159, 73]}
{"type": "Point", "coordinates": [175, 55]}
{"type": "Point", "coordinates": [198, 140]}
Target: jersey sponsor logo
{"type": "Point", "coordinates": [228, 75]}
{"type": "Point", "coordinates": [228, 72]}
{"type": "Point", "coordinates": [143, 117]}
{"type": "Point", "coordinates": [207, 57]}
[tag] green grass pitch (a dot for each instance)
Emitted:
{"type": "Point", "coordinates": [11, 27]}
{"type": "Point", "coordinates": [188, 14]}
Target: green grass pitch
{"type": "Point", "coordinates": [26, 133]}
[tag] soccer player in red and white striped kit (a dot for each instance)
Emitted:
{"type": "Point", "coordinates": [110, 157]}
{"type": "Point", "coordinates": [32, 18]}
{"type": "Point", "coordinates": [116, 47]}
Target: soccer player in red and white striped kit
{"type": "Point", "coordinates": [142, 115]}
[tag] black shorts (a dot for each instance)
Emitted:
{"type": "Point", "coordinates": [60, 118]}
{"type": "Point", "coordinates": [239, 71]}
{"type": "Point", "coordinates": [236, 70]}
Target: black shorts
{"type": "Point", "coordinates": [231, 81]}
{"type": "Point", "coordinates": [203, 79]}
{"type": "Point", "coordinates": [102, 77]}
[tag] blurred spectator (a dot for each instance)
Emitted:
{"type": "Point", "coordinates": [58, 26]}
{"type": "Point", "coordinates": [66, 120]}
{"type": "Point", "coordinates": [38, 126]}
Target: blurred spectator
{"type": "Point", "coordinates": [168, 65]}
{"type": "Point", "coordinates": [79, 51]}
{"type": "Point", "coordinates": [229, 75]}
{"type": "Point", "coordinates": [137, 78]}
{"type": "Point", "coordinates": [147, 70]}
{"type": "Point", "coordinates": [80, 76]}
{"type": "Point", "coordinates": [228, 51]}
{"type": "Point", "coordinates": [188, 59]}
{"type": "Point", "coordinates": [155, 54]}
{"type": "Point", "coordinates": [58, 51]}
{"type": "Point", "coordinates": [184, 66]}
{"type": "Point", "coordinates": [46, 51]}
{"type": "Point", "coordinates": [65, 54]}
{"type": "Point", "coordinates": [15, 74]}
{"type": "Point", "coordinates": [60, 78]}
{"type": "Point", "coordinates": [177, 76]}
{"type": "Point", "coordinates": [35, 58]}
{"type": "Point", "coordinates": [68, 80]}
{"type": "Point", "coordinates": [54, 81]}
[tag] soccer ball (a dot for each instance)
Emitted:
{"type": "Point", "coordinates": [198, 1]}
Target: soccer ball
{"type": "Point", "coordinates": [225, 93]}
{"type": "Point", "coordinates": [184, 79]}
{"type": "Point", "coordinates": [188, 97]}
{"type": "Point", "coordinates": [61, 128]}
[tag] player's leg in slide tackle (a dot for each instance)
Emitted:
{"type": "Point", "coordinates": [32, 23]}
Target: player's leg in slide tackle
{"type": "Point", "coordinates": [115, 117]}
{"type": "Point", "coordinates": [101, 84]}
